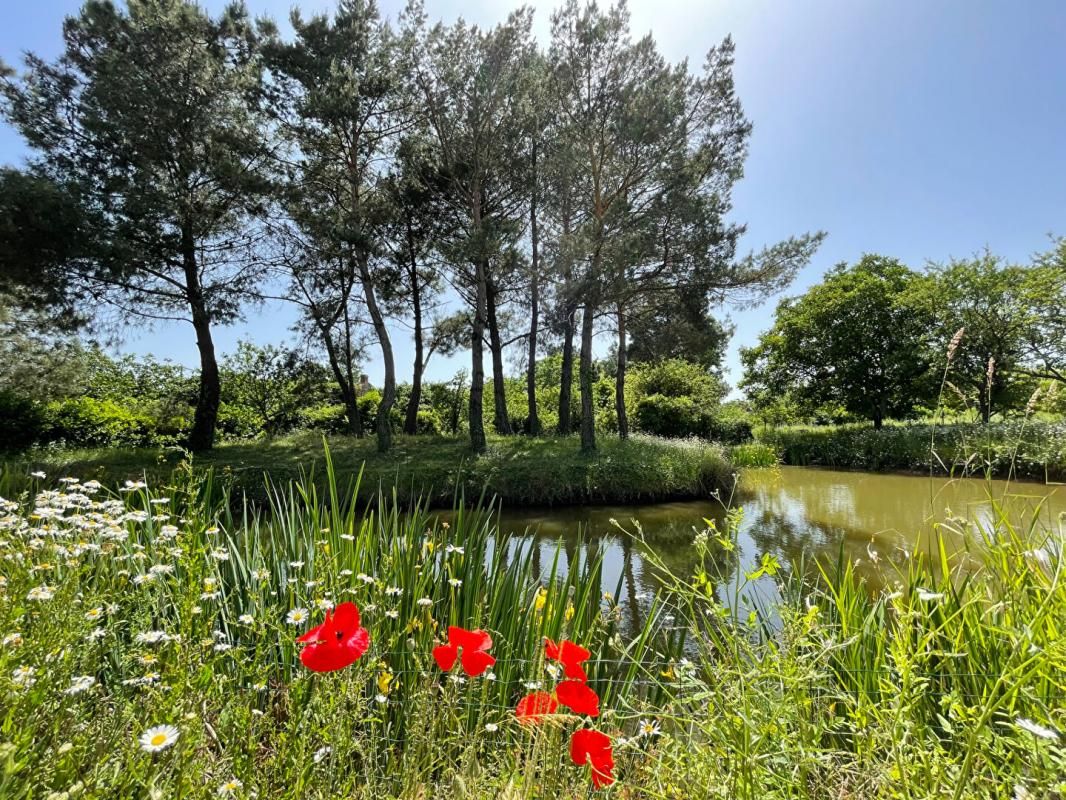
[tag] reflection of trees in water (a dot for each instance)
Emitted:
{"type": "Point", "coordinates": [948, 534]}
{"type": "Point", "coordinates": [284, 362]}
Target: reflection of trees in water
{"type": "Point", "coordinates": [786, 537]}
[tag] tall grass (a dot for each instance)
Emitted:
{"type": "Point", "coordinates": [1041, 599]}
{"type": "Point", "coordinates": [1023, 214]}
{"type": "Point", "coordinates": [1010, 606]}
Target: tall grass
{"type": "Point", "coordinates": [949, 684]}
{"type": "Point", "coordinates": [1022, 448]}
{"type": "Point", "coordinates": [518, 471]}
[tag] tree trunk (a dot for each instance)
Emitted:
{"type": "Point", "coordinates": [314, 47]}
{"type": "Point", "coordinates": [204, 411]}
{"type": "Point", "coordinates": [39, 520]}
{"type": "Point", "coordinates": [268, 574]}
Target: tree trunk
{"type": "Point", "coordinates": [501, 423]}
{"type": "Point", "coordinates": [388, 390]}
{"type": "Point", "coordinates": [566, 379]}
{"type": "Point", "coordinates": [532, 418]}
{"type": "Point", "coordinates": [410, 424]}
{"type": "Point", "coordinates": [343, 376]}
{"type": "Point", "coordinates": [620, 377]}
{"type": "Point", "coordinates": [346, 393]}
{"type": "Point", "coordinates": [202, 435]}
{"type": "Point", "coordinates": [588, 417]}
{"type": "Point", "coordinates": [477, 368]}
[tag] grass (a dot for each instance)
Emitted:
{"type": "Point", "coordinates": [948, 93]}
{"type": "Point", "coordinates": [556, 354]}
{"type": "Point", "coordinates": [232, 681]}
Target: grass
{"type": "Point", "coordinates": [518, 470]}
{"type": "Point", "coordinates": [1023, 448]}
{"type": "Point", "coordinates": [950, 684]}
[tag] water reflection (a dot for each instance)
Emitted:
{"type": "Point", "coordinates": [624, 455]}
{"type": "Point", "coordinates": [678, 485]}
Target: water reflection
{"type": "Point", "coordinates": [793, 514]}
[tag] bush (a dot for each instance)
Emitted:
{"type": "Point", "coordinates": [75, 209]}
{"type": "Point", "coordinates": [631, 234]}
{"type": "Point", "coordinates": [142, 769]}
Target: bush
{"type": "Point", "coordinates": [728, 430]}
{"type": "Point", "coordinates": [675, 417]}
{"type": "Point", "coordinates": [237, 421]}
{"type": "Point", "coordinates": [327, 419]}
{"type": "Point", "coordinates": [428, 422]}
{"type": "Point", "coordinates": [89, 422]}
{"type": "Point", "coordinates": [1026, 449]}
{"type": "Point", "coordinates": [22, 422]}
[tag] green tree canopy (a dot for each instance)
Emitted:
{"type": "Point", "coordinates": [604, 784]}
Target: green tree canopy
{"type": "Point", "coordinates": [149, 119]}
{"type": "Point", "coordinates": [853, 339]}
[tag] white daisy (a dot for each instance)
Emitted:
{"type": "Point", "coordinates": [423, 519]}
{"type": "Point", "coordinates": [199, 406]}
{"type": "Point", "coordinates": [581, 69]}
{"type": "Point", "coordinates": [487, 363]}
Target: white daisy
{"type": "Point", "coordinates": [158, 738]}
{"type": "Point", "coordinates": [151, 637]}
{"type": "Point", "coordinates": [79, 684]}
{"type": "Point", "coordinates": [23, 676]}
{"type": "Point", "coordinates": [649, 727]}
{"type": "Point", "coordinates": [297, 616]}
{"type": "Point", "coordinates": [232, 786]}
{"type": "Point", "coordinates": [246, 619]}
{"type": "Point", "coordinates": [928, 597]}
{"type": "Point", "coordinates": [40, 593]}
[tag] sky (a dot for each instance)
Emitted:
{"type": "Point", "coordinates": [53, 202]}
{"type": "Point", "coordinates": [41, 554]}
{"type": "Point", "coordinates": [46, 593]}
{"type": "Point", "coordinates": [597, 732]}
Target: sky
{"type": "Point", "coordinates": [919, 130]}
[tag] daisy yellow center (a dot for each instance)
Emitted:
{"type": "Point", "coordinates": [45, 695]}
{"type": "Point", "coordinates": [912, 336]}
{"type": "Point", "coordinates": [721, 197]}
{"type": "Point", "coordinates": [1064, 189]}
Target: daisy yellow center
{"type": "Point", "coordinates": [158, 739]}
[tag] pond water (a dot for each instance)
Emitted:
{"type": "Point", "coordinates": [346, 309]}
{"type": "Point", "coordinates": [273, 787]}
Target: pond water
{"type": "Point", "coordinates": [792, 513]}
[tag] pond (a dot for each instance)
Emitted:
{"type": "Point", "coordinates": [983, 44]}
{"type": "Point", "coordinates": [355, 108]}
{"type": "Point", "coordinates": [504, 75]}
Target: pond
{"type": "Point", "coordinates": [792, 513]}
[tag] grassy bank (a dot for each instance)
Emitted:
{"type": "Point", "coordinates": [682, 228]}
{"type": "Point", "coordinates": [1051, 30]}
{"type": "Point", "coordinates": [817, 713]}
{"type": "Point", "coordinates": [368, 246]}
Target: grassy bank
{"type": "Point", "coordinates": [517, 470]}
{"type": "Point", "coordinates": [1032, 450]}
{"type": "Point", "coordinates": [163, 607]}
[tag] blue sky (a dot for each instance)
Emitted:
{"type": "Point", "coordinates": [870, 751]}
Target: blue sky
{"type": "Point", "coordinates": [921, 130]}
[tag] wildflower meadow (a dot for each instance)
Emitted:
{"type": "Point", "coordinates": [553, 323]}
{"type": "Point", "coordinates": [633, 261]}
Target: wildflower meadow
{"type": "Point", "coordinates": [169, 641]}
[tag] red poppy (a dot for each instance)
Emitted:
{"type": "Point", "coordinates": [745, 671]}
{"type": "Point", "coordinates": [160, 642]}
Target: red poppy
{"type": "Point", "coordinates": [570, 655]}
{"type": "Point", "coordinates": [594, 748]}
{"type": "Point", "coordinates": [338, 642]}
{"type": "Point", "coordinates": [534, 707]}
{"type": "Point", "coordinates": [469, 647]}
{"type": "Point", "coordinates": [579, 698]}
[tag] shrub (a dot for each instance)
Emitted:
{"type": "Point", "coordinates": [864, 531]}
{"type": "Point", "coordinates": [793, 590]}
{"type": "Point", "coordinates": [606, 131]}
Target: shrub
{"type": "Point", "coordinates": [22, 422]}
{"type": "Point", "coordinates": [428, 422]}
{"type": "Point", "coordinates": [236, 421]}
{"type": "Point", "coordinates": [327, 418]}
{"type": "Point", "coordinates": [89, 422]}
{"type": "Point", "coordinates": [728, 430]}
{"type": "Point", "coordinates": [1022, 448]}
{"type": "Point", "coordinates": [660, 415]}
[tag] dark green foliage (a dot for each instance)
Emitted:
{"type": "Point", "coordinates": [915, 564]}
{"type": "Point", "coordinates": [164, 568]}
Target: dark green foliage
{"type": "Point", "coordinates": [728, 429]}
{"type": "Point", "coordinates": [43, 230]}
{"type": "Point", "coordinates": [682, 327]}
{"type": "Point", "coordinates": [856, 339]}
{"type": "Point", "coordinates": [22, 422]}
{"type": "Point", "coordinates": [668, 416]}
{"type": "Point", "coordinates": [677, 398]}
{"type": "Point", "coordinates": [149, 119]}
{"type": "Point", "coordinates": [985, 298]}
{"type": "Point", "coordinates": [1023, 448]}
{"type": "Point", "coordinates": [272, 384]}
